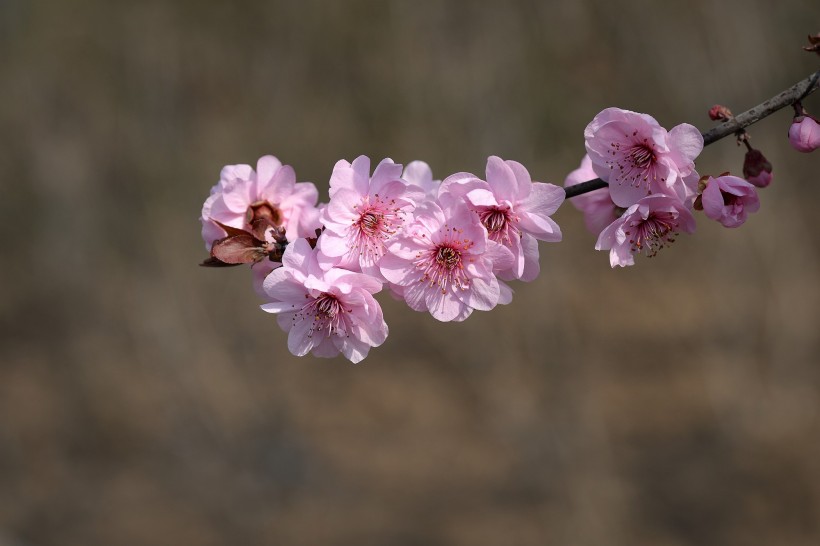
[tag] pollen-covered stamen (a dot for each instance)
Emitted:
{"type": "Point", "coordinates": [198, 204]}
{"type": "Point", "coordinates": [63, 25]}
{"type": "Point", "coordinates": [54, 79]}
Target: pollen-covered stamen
{"type": "Point", "coordinates": [633, 164]}
{"type": "Point", "coordinates": [377, 221]}
{"type": "Point", "coordinates": [326, 313]}
{"type": "Point", "coordinates": [443, 264]}
{"type": "Point", "coordinates": [494, 219]}
{"type": "Point", "coordinates": [642, 156]}
{"type": "Point", "coordinates": [654, 233]}
{"type": "Point", "coordinates": [500, 223]}
{"type": "Point", "coordinates": [448, 257]}
{"type": "Point", "coordinates": [369, 223]}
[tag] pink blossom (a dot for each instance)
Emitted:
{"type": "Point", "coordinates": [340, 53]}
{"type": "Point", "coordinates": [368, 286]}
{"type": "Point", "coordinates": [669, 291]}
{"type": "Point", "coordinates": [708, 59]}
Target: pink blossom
{"type": "Point", "coordinates": [647, 226]}
{"type": "Point", "coordinates": [638, 157]}
{"type": "Point", "coordinates": [324, 311]}
{"type": "Point", "coordinates": [443, 263]}
{"type": "Point", "coordinates": [514, 210]}
{"type": "Point", "coordinates": [365, 212]}
{"type": "Point", "coordinates": [804, 134]}
{"type": "Point", "coordinates": [242, 195]}
{"type": "Point", "coordinates": [597, 206]}
{"type": "Point", "coordinates": [728, 199]}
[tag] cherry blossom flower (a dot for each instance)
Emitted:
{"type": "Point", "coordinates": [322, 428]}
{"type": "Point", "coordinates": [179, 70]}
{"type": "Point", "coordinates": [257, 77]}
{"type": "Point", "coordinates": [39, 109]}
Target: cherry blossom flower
{"type": "Point", "coordinates": [443, 263]}
{"type": "Point", "coordinates": [271, 192]}
{"type": "Point", "coordinates": [638, 157]}
{"type": "Point", "coordinates": [804, 134]}
{"type": "Point", "coordinates": [728, 199]}
{"type": "Point", "coordinates": [364, 213]}
{"type": "Point", "coordinates": [325, 312]}
{"type": "Point", "coordinates": [647, 226]}
{"type": "Point", "coordinates": [597, 206]}
{"type": "Point", "coordinates": [514, 210]}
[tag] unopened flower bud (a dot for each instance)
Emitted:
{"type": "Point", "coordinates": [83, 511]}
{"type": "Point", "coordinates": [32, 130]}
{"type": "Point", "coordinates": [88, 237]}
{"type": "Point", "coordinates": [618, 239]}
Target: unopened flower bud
{"type": "Point", "coordinates": [804, 134]}
{"type": "Point", "coordinates": [719, 112]}
{"type": "Point", "coordinates": [757, 169]}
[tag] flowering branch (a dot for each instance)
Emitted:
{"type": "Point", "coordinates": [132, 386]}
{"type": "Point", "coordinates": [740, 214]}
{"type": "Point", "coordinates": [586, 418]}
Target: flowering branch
{"type": "Point", "coordinates": [450, 247]}
{"type": "Point", "coordinates": [793, 94]}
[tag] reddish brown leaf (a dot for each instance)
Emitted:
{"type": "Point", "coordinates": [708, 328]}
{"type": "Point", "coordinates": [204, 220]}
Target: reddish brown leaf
{"type": "Point", "coordinates": [215, 262]}
{"type": "Point", "coordinates": [237, 249]}
{"type": "Point", "coordinates": [231, 231]}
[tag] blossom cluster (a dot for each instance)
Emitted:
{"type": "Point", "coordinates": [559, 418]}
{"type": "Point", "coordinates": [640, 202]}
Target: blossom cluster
{"type": "Point", "coordinates": [653, 186]}
{"type": "Point", "coordinates": [450, 247]}
{"type": "Point", "coordinates": [444, 247]}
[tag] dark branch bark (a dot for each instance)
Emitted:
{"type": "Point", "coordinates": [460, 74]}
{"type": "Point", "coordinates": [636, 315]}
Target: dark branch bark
{"type": "Point", "coordinates": [785, 98]}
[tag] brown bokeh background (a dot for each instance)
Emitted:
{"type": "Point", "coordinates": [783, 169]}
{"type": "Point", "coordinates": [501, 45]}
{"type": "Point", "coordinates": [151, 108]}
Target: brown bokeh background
{"type": "Point", "coordinates": [144, 400]}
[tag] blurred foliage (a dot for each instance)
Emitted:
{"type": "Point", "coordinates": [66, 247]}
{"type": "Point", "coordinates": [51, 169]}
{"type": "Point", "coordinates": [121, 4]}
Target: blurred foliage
{"type": "Point", "coordinates": [144, 400]}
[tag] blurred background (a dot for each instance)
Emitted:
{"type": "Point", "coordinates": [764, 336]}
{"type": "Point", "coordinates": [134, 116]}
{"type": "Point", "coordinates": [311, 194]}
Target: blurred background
{"type": "Point", "coordinates": [145, 400]}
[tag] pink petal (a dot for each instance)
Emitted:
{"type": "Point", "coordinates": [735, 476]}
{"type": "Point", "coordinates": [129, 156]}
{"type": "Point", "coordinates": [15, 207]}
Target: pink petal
{"type": "Point", "coordinates": [297, 255]}
{"type": "Point", "coordinates": [501, 179]}
{"type": "Point", "coordinates": [386, 171]}
{"type": "Point", "coordinates": [266, 168]}
{"type": "Point", "coordinates": [302, 338]}
{"type": "Point", "coordinates": [481, 197]}
{"type": "Point", "coordinates": [687, 141]}
{"type": "Point", "coordinates": [483, 293]}
{"type": "Point", "coordinates": [522, 177]}
{"type": "Point", "coordinates": [444, 307]}
{"type": "Point", "coordinates": [543, 228]}
{"type": "Point", "coordinates": [544, 199]}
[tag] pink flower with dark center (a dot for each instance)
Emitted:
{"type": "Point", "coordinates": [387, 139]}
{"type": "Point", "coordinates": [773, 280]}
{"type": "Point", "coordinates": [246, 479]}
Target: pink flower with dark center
{"type": "Point", "coordinates": [324, 311]}
{"type": "Point", "coordinates": [514, 210]}
{"type": "Point", "coordinates": [597, 206]}
{"type": "Point", "coordinates": [804, 134]}
{"type": "Point", "coordinates": [646, 227]}
{"type": "Point", "coordinates": [271, 192]}
{"type": "Point", "coordinates": [364, 213]}
{"type": "Point", "coordinates": [443, 263]}
{"type": "Point", "coordinates": [729, 199]}
{"type": "Point", "coordinates": [638, 157]}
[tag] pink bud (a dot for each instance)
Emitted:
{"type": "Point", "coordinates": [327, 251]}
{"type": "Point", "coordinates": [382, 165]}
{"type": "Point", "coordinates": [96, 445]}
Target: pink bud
{"type": "Point", "coordinates": [719, 112]}
{"type": "Point", "coordinates": [757, 169]}
{"type": "Point", "coordinates": [804, 134]}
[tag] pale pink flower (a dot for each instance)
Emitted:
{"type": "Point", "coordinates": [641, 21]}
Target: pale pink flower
{"type": "Point", "coordinates": [324, 311]}
{"type": "Point", "coordinates": [365, 212]}
{"type": "Point", "coordinates": [645, 227]}
{"type": "Point", "coordinates": [804, 134]}
{"type": "Point", "coordinates": [514, 210]}
{"type": "Point", "coordinates": [597, 206]}
{"type": "Point", "coordinates": [728, 199]}
{"type": "Point", "coordinates": [271, 191]}
{"type": "Point", "coordinates": [638, 157]}
{"type": "Point", "coordinates": [444, 264]}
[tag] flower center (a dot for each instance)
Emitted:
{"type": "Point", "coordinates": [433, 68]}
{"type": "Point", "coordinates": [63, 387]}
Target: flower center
{"type": "Point", "coordinates": [654, 233]}
{"type": "Point", "coordinates": [370, 223]}
{"type": "Point", "coordinates": [642, 156]}
{"type": "Point", "coordinates": [634, 163]}
{"type": "Point", "coordinates": [494, 219]}
{"type": "Point", "coordinates": [327, 306]}
{"type": "Point", "coordinates": [263, 210]}
{"type": "Point", "coordinates": [326, 315]}
{"type": "Point", "coordinates": [448, 257]}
